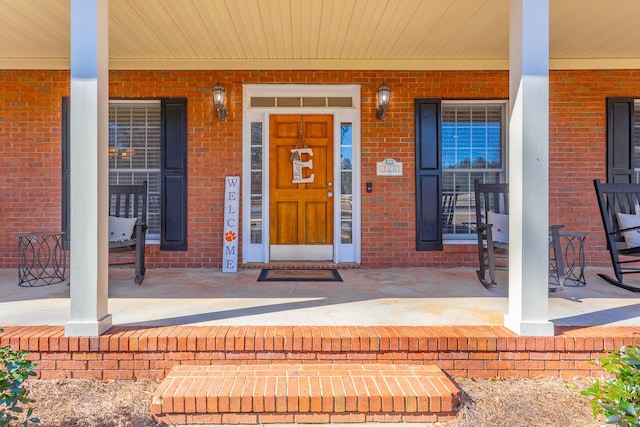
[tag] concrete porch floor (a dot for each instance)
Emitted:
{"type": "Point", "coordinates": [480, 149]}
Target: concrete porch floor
{"type": "Point", "coordinates": [366, 297]}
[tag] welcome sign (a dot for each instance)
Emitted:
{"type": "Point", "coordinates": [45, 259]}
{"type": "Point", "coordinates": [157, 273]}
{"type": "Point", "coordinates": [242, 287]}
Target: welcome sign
{"type": "Point", "coordinates": [231, 216]}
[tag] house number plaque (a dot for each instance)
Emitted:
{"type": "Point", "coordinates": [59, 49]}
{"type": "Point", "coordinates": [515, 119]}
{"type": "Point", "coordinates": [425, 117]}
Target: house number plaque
{"type": "Point", "coordinates": [389, 167]}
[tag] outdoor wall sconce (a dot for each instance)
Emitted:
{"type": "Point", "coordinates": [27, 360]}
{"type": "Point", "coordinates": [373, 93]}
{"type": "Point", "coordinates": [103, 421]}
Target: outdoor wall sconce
{"type": "Point", "coordinates": [218, 100]}
{"type": "Point", "coordinates": [384, 93]}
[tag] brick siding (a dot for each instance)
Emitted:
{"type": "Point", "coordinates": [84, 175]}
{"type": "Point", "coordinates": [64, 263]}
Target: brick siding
{"type": "Point", "coordinates": [30, 116]}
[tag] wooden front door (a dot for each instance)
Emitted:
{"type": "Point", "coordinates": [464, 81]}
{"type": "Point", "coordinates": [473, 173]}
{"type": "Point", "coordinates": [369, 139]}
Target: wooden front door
{"type": "Point", "coordinates": [301, 187]}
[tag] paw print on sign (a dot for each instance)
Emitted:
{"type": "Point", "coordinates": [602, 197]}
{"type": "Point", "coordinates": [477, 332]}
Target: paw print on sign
{"type": "Point", "coordinates": [230, 236]}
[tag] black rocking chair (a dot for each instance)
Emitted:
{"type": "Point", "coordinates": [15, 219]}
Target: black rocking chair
{"type": "Point", "coordinates": [492, 205]}
{"type": "Point", "coordinates": [130, 201]}
{"type": "Point", "coordinates": [492, 227]}
{"type": "Point", "coordinates": [620, 211]}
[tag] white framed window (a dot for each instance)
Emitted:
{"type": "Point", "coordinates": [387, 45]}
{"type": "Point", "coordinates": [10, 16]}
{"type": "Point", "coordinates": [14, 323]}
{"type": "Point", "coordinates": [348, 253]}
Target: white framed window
{"type": "Point", "coordinates": [474, 145]}
{"type": "Point", "coordinates": [134, 153]}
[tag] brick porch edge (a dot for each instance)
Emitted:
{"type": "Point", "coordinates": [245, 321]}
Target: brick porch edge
{"type": "Point", "coordinates": [137, 352]}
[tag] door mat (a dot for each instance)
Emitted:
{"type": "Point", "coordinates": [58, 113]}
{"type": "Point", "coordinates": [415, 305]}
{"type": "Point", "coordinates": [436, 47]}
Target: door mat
{"type": "Point", "coordinates": [283, 275]}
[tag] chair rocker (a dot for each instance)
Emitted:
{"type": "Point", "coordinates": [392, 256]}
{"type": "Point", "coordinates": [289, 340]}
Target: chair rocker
{"type": "Point", "coordinates": [128, 208]}
{"type": "Point", "coordinates": [620, 211]}
{"type": "Point", "coordinates": [492, 228]}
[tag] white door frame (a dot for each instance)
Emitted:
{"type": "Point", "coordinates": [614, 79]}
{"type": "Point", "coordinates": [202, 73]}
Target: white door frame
{"type": "Point", "coordinates": [266, 104]}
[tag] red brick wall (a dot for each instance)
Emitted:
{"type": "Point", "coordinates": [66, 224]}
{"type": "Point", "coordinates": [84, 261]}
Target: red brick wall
{"type": "Point", "coordinates": [578, 149]}
{"type": "Point", "coordinates": [473, 351]}
{"type": "Point", "coordinates": [30, 149]}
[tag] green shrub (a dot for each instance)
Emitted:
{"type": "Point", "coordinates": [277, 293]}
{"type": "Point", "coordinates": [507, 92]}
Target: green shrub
{"type": "Point", "coordinates": [618, 399]}
{"type": "Point", "coordinates": [14, 371]}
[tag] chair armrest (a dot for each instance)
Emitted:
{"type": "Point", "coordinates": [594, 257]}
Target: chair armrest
{"type": "Point", "coordinates": [139, 230]}
{"type": "Point", "coordinates": [624, 230]}
{"type": "Point", "coordinates": [483, 227]}
{"type": "Point", "coordinates": [485, 232]}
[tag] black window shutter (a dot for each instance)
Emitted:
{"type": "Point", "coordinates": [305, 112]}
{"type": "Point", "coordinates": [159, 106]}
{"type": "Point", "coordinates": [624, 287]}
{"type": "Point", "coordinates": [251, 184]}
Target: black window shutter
{"type": "Point", "coordinates": [428, 175]}
{"type": "Point", "coordinates": [66, 171]}
{"type": "Point", "coordinates": [620, 129]}
{"type": "Point", "coordinates": [173, 199]}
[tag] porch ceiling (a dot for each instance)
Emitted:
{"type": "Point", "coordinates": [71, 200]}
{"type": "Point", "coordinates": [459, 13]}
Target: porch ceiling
{"type": "Point", "coordinates": [320, 34]}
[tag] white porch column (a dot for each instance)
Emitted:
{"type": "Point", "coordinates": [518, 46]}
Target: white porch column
{"type": "Point", "coordinates": [89, 168]}
{"type": "Point", "coordinates": [529, 168]}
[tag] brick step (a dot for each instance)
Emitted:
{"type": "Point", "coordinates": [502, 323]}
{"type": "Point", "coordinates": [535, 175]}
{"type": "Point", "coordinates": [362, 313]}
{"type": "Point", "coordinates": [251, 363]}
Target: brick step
{"type": "Point", "coordinates": [304, 393]}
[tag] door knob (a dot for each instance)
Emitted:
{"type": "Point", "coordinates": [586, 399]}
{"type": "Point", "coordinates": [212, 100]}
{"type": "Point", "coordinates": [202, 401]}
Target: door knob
{"type": "Point", "coordinates": [329, 194]}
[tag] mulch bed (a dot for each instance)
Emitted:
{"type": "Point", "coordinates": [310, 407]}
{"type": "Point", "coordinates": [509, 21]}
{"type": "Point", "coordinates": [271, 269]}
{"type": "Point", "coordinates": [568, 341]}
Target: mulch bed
{"type": "Point", "coordinates": [486, 402]}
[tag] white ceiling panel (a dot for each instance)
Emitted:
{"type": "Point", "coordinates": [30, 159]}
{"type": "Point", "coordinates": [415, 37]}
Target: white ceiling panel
{"type": "Point", "coordinates": [320, 34]}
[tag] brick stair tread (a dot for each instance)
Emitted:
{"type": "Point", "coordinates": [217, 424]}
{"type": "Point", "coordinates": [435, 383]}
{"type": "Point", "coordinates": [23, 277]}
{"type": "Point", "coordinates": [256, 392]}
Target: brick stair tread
{"type": "Point", "coordinates": [306, 388]}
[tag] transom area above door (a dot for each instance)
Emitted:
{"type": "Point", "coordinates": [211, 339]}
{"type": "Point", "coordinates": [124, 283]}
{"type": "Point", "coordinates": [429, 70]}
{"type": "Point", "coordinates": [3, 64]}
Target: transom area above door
{"type": "Point", "coordinates": [301, 102]}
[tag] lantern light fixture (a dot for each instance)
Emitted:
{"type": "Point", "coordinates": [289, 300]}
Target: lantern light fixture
{"type": "Point", "coordinates": [218, 100]}
{"type": "Point", "coordinates": [384, 94]}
